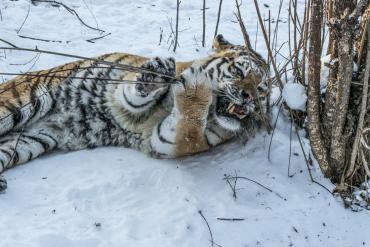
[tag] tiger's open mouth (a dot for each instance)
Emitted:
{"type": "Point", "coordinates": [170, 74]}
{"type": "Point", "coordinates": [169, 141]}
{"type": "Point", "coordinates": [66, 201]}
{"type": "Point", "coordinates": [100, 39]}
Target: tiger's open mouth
{"type": "Point", "coordinates": [228, 108]}
{"type": "Point", "coordinates": [236, 110]}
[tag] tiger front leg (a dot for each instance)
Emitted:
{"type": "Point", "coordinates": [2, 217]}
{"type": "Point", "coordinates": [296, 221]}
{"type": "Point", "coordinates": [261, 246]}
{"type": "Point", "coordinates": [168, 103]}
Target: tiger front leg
{"type": "Point", "coordinates": [192, 101]}
{"type": "Point", "coordinates": [152, 82]}
{"type": "Point", "coordinates": [183, 131]}
{"type": "Point", "coordinates": [150, 87]}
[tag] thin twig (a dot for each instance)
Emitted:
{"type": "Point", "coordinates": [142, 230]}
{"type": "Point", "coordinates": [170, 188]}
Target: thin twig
{"type": "Point", "coordinates": [91, 13]}
{"type": "Point", "coordinates": [25, 19]}
{"type": "Point", "coordinates": [242, 26]}
{"type": "Point", "coordinates": [258, 183]}
{"type": "Point", "coordinates": [275, 37]}
{"type": "Point", "coordinates": [160, 35]}
{"type": "Point", "coordinates": [49, 90]}
{"type": "Point", "coordinates": [272, 134]}
{"type": "Point", "coordinates": [267, 44]}
{"type": "Point", "coordinates": [209, 241]}
{"type": "Point", "coordinates": [47, 74]}
{"type": "Point", "coordinates": [306, 159]}
{"type": "Point", "coordinates": [177, 25]}
{"type": "Point", "coordinates": [122, 66]}
{"type": "Point", "coordinates": [231, 219]}
{"type": "Point", "coordinates": [114, 81]}
{"type": "Point", "coordinates": [305, 41]}
{"type": "Point", "coordinates": [204, 24]}
{"type": "Point", "coordinates": [361, 119]}
{"type": "Point", "coordinates": [256, 37]}
{"type": "Point", "coordinates": [295, 71]}
{"type": "Point", "coordinates": [8, 43]}
{"type": "Point", "coordinates": [290, 147]}
{"type": "Point", "coordinates": [39, 39]}
{"type": "Point", "coordinates": [71, 11]}
{"type": "Point", "coordinates": [269, 81]}
{"type": "Point", "coordinates": [218, 17]}
{"type": "Point", "coordinates": [209, 228]}
{"type": "Point", "coordinates": [100, 37]}
{"type": "Point", "coordinates": [232, 187]}
{"type": "Point", "coordinates": [38, 55]}
{"type": "Point", "coordinates": [23, 64]}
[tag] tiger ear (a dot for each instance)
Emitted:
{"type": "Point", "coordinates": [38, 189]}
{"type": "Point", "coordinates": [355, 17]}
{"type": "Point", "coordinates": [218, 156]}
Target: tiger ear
{"type": "Point", "coordinates": [220, 43]}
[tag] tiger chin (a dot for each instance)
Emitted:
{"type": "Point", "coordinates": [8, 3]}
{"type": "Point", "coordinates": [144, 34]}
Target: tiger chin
{"type": "Point", "coordinates": [81, 105]}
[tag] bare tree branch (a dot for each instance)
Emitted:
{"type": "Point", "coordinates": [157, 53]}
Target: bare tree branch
{"type": "Point", "coordinates": [218, 17]}
{"type": "Point", "coordinates": [177, 25]}
{"type": "Point", "coordinates": [204, 24]}
{"type": "Point", "coordinates": [365, 89]}
{"type": "Point", "coordinates": [8, 43]}
{"type": "Point", "coordinates": [267, 44]}
{"type": "Point", "coordinates": [109, 80]}
{"type": "Point", "coordinates": [247, 41]}
{"type": "Point", "coordinates": [100, 61]}
{"type": "Point", "coordinates": [209, 228]}
{"type": "Point", "coordinates": [25, 19]}
{"type": "Point", "coordinates": [100, 37]}
{"type": "Point", "coordinates": [70, 10]}
{"type": "Point", "coordinates": [39, 39]}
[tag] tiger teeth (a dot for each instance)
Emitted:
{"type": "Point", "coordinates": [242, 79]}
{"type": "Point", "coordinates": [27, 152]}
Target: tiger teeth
{"type": "Point", "coordinates": [229, 107]}
{"type": "Point", "coordinates": [231, 110]}
{"type": "Point", "coordinates": [240, 116]}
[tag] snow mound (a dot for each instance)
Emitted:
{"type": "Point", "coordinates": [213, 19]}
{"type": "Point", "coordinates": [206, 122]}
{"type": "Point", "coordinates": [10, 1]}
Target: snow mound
{"type": "Point", "coordinates": [295, 96]}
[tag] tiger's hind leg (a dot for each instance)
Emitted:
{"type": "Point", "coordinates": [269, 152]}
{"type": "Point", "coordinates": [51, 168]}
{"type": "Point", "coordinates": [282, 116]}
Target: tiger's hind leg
{"type": "Point", "coordinates": [18, 112]}
{"type": "Point", "coordinates": [22, 146]}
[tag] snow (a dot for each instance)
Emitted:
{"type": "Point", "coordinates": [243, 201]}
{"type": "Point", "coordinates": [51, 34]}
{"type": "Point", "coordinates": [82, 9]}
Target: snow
{"type": "Point", "coordinates": [295, 96]}
{"type": "Point", "coordinates": [326, 61]}
{"type": "Point", "coordinates": [119, 197]}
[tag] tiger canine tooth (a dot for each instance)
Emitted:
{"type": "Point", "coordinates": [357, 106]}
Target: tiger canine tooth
{"type": "Point", "coordinates": [230, 105]}
{"type": "Point", "coordinates": [240, 116]}
{"type": "Point", "coordinates": [232, 108]}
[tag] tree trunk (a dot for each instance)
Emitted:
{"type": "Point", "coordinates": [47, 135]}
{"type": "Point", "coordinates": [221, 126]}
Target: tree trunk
{"type": "Point", "coordinates": [340, 134]}
{"type": "Point", "coordinates": [344, 80]}
{"type": "Point", "coordinates": [313, 104]}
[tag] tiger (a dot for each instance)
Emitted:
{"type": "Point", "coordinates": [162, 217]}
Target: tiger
{"type": "Point", "coordinates": [173, 109]}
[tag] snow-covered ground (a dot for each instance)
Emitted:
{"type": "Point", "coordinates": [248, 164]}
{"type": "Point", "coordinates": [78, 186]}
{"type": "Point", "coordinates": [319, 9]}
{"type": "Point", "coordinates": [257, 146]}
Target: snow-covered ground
{"type": "Point", "coordinates": [119, 197]}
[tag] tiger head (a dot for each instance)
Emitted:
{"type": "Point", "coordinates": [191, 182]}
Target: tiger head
{"type": "Point", "coordinates": [239, 76]}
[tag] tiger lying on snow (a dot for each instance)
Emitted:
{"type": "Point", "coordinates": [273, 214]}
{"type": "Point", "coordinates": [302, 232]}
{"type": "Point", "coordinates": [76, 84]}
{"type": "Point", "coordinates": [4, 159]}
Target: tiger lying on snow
{"type": "Point", "coordinates": [217, 96]}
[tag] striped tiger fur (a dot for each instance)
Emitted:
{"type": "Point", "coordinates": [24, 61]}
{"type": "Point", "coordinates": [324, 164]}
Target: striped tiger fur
{"type": "Point", "coordinates": [73, 107]}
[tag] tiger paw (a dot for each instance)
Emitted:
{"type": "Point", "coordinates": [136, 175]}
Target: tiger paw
{"type": "Point", "coordinates": [3, 184]}
{"type": "Point", "coordinates": [164, 70]}
{"type": "Point", "coordinates": [193, 95]}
